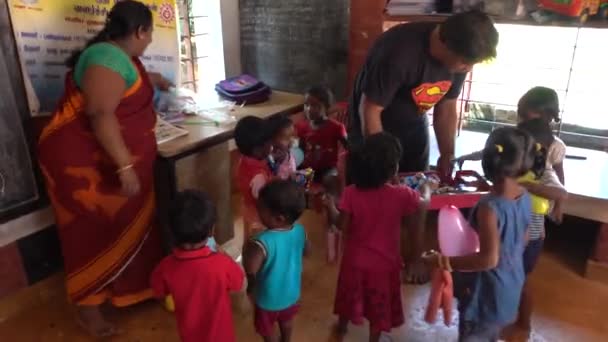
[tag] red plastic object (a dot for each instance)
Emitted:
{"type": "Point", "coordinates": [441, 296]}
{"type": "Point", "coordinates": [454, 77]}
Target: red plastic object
{"type": "Point", "coordinates": [440, 298]}
{"type": "Point", "coordinates": [459, 199]}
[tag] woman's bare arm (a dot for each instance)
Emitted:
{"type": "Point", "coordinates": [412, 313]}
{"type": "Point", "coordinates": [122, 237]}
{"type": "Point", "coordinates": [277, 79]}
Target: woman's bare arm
{"type": "Point", "coordinates": [103, 90]}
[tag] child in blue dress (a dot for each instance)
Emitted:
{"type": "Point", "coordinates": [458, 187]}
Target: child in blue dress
{"type": "Point", "coordinates": [488, 284]}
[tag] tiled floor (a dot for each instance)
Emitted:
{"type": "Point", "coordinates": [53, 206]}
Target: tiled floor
{"type": "Point", "coordinates": [568, 307]}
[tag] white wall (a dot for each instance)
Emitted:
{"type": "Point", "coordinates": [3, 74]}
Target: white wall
{"type": "Point", "coordinates": [232, 36]}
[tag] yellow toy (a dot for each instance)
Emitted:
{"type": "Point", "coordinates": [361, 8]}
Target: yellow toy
{"type": "Point", "coordinates": [540, 205]}
{"type": "Point", "coordinates": [169, 304]}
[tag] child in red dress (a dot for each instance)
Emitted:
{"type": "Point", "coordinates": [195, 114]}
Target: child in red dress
{"type": "Point", "coordinates": [369, 283]}
{"type": "Point", "coordinates": [320, 139]}
{"type": "Point", "coordinates": [198, 279]}
{"type": "Point", "coordinates": [253, 137]}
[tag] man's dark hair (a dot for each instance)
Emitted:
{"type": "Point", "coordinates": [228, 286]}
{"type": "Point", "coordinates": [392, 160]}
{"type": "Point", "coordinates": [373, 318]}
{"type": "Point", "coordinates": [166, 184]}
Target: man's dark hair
{"type": "Point", "coordinates": [285, 198]}
{"type": "Point", "coordinates": [470, 35]}
{"type": "Point", "coordinates": [250, 133]}
{"type": "Point", "coordinates": [192, 216]}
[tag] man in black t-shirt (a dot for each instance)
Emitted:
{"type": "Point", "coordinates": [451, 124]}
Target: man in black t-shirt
{"type": "Point", "coordinates": [411, 69]}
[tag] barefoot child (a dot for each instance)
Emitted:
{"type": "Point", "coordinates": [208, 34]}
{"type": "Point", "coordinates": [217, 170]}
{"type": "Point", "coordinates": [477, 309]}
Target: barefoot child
{"type": "Point", "coordinates": [488, 283]}
{"type": "Point", "coordinates": [198, 279]}
{"type": "Point", "coordinates": [252, 136]}
{"type": "Point", "coordinates": [548, 187]}
{"type": "Point", "coordinates": [321, 138]}
{"type": "Point", "coordinates": [369, 283]}
{"type": "Point", "coordinates": [273, 259]}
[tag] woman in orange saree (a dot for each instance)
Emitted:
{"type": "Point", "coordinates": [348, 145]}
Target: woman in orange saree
{"type": "Point", "coordinates": [97, 155]}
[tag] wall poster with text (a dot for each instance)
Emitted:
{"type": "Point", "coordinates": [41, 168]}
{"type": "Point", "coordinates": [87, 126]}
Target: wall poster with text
{"type": "Point", "coordinates": [47, 31]}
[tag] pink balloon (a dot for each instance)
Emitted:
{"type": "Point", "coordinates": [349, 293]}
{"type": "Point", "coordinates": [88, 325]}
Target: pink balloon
{"type": "Point", "coordinates": [456, 237]}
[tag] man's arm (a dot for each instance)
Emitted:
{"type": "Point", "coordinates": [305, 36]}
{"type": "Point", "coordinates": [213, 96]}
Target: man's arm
{"type": "Point", "coordinates": [445, 123]}
{"type": "Point", "coordinates": [372, 113]}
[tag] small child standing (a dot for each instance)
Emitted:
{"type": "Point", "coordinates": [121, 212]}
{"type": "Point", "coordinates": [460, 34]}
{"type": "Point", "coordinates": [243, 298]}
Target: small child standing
{"type": "Point", "coordinates": [198, 279]}
{"type": "Point", "coordinates": [320, 139]}
{"type": "Point", "coordinates": [253, 138]}
{"type": "Point", "coordinates": [548, 187]}
{"type": "Point", "coordinates": [281, 160]}
{"type": "Point", "coordinates": [372, 210]}
{"type": "Point", "coordinates": [488, 284]}
{"type": "Point", "coordinates": [273, 259]}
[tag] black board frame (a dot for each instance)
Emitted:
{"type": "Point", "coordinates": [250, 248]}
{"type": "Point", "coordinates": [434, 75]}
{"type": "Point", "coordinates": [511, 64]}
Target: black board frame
{"type": "Point", "coordinates": [9, 45]}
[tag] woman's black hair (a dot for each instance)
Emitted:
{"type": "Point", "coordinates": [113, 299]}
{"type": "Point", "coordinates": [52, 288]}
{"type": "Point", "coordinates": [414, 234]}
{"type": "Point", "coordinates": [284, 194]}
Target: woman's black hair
{"type": "Point", "coordinates": [542, 133]}
{"type": "Point", "coordinates": [509, 153]}
{"type": "Point", "coordinates": [124, 19]}
{"type": "Point", "coordinates": [285, 198]}
{"type": "Point", "coordinates": [374, 162]}
{"type": "Point", "coordinates": [541, 100]}
{"type": "Point", "coordinates": [323, 94]}
{"type": "Point", "coordinates": [278, 123]}
{"type": "Point", "coordinates": [192, 216]}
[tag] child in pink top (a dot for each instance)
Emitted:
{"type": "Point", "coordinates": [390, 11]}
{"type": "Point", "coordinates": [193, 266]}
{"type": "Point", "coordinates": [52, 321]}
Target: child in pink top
{"type": "Point", "coordinates": [371, 214]}
{"type": "Point", "coordinates": [281, 160]}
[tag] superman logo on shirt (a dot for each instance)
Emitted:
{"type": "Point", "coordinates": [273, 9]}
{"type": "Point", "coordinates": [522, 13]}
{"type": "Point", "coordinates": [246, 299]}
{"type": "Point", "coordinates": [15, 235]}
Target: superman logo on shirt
{"type": "Point", "coordinates": [427, 95]}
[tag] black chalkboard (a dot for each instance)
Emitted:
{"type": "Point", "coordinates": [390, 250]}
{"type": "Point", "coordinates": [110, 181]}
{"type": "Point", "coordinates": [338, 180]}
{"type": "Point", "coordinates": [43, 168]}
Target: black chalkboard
{"type": "Point", "coordinates": [18, 180]}
{"type": "Point", "coordinates": [294, 44]}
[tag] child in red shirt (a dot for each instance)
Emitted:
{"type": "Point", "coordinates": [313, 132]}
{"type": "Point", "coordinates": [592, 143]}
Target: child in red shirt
{"type": "Point", "coordinates": [320, 137]}
{"type": "Point", "coordinates": [198, 279]}
{"type": "Point", "coordinates": [253, 137]}
{"type": "Point", "coordinates": [369, 284]}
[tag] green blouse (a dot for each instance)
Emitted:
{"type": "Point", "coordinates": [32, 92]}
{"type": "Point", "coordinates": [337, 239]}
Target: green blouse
{"type": "Point", "coordinates": [107, 55]}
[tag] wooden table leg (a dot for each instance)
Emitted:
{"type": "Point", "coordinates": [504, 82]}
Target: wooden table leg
{"type": "Point", "coordinates": [597, 265]}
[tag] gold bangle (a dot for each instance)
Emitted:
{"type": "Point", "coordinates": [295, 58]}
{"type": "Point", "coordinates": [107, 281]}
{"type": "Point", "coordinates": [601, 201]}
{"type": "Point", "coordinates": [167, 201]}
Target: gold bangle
{"type": "Point", "coordinates": [125, 168]}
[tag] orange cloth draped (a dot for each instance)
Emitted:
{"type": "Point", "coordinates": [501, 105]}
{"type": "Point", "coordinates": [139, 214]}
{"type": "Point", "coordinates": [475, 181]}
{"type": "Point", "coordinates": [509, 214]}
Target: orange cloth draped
{"type": "Point", "coordinates": [110, 243]}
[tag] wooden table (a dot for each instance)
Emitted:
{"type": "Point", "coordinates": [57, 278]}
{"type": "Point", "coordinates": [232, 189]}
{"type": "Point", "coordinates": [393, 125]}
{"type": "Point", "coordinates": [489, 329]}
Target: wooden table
{"type": "Point", "coordinates": [201, 161]}
{"type": "Point", "coordinates": [587, 185]}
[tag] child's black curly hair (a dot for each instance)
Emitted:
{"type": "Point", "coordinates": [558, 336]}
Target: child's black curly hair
{"type": "Point", "coordinates": [278, 123]}
{"type": "Point", "coordinates": [509, 153]}
{"type": "Point", "coordinates": [541, 100]}
{"type": "Point", "coordinates": [250, 133]}
{"type": "Point", "coordinates": [542, 133]}
{"type": "Point", "coordinates": [323, 94]}
{"type": "Point", "coordinates": [192, 216]}
{"type": "Point", "coordinates": [375, 162]}
{"type": "Point", "coordinates": [285, 198]}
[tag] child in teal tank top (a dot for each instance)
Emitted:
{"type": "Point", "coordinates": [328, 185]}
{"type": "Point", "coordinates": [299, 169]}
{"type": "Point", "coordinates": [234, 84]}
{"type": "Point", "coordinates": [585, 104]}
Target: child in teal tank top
{"type": "Point", "coordinates": [273, 258]}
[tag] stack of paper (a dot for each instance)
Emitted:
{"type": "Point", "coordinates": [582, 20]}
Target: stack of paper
{"type": "Point", "coordinates": [409, 7]}
{"type": "Point", "coordinates": [166, 131]}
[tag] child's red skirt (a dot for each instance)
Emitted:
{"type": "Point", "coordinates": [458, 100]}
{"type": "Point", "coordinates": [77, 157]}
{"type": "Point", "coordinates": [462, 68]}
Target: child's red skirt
{"type": "Point", "coordinates": [373, 295]}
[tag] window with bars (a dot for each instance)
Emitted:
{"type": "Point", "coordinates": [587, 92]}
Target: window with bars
{"type": "Point", "coordinates": [202, 54]}
{"type": "Point", "coordinates": [568, 59]}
